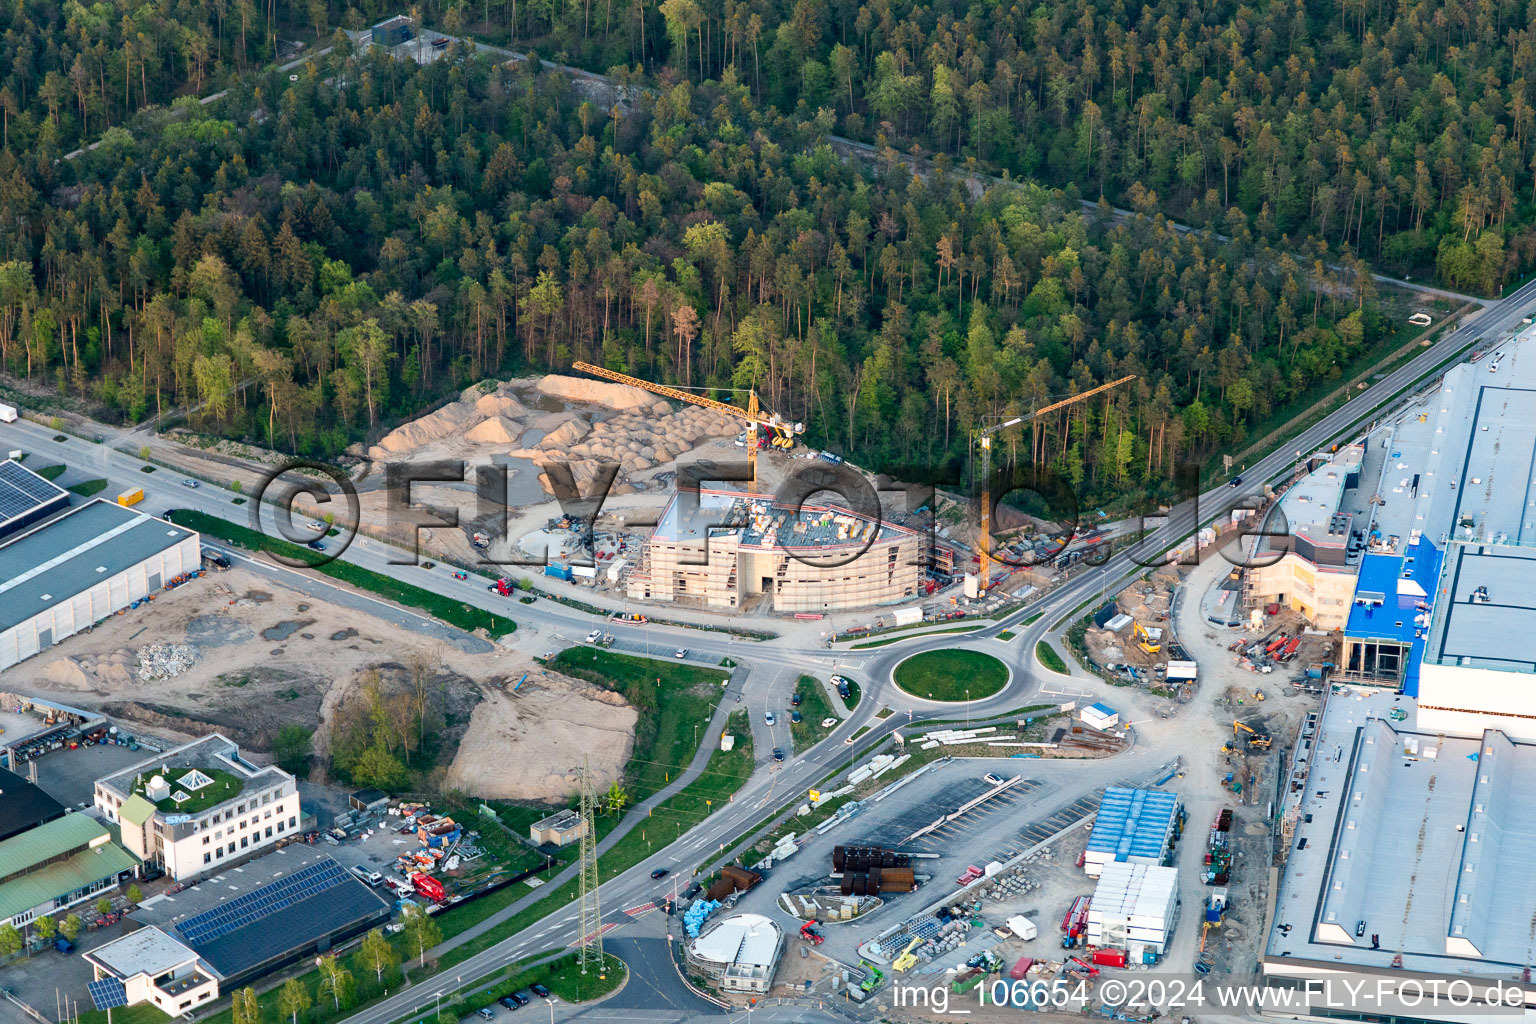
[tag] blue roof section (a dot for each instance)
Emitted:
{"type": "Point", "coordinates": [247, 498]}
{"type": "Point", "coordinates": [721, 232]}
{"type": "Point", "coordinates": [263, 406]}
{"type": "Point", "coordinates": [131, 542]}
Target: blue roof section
{"type": "Point", "coordinates": [1391, 593]}
{"type": "Point", "coordinates": [1134, 823]}
{"type": "Point", "coordinates": [1103, 709]}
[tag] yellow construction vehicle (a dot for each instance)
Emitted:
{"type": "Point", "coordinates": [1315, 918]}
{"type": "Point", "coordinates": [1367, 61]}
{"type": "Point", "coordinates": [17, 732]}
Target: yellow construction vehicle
{"type": "Point", "coordinates": [1258, 695]}
{"type": "Point", "coordinates": [983, 437]}
{"type": "Point", "coordinates": [1147, 641]}
{"type": "Point", "coordinates": [907, 957]}
{"type": "Point", "coordinates": [1256, 740]}
{"type": "Point", "coordinates": [783, 432]}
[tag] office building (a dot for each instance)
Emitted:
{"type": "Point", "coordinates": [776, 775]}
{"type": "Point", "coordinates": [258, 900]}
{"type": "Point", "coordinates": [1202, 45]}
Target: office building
{"type": "Point", "coordinates": [199, 808]}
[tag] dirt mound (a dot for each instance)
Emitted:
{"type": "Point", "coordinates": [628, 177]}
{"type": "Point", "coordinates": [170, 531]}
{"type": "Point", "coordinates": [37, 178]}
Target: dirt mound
{"type": "Point", "coordinates": [565, 435]}
{"type": "Point", "coordinates": [66, 672]}
{"type": "Point", "coordinates": [494, 430]}
{"type": "Point", "coordinates": [523, 748]}
{"type": "Point", "coordinates": [620, 397]}
{"type": "Point", "coordinates": [407, 437]}
{"type": "Point", "coordinates": [500, 404]}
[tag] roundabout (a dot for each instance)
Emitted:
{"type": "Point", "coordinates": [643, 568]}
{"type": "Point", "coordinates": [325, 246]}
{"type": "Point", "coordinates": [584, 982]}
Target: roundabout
{"type": "Point", "coordinates": [951, 675]}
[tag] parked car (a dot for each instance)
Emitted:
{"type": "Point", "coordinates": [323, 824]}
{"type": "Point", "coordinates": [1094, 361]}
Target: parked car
{"type": "Point", "coordinates": [794, 716]}
{"type": "Point", "coordinates": [520, 999]}
{"type": "Point", "coordinates": [795, 700]}
{"type": "Point", "coordinates": [485, 1013]}
{"type": "Point", "coordinates": [594, 636]}
{"type": "Point", "coordinates": [539, 990]}
{"type": "Point", "coordinates": [508, 1002]}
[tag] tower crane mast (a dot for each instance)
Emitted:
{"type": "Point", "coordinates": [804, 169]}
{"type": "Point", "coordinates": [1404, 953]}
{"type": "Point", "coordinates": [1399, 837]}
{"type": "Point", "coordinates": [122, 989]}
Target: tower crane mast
{"type": "Point", "coordinates": [983, 435]}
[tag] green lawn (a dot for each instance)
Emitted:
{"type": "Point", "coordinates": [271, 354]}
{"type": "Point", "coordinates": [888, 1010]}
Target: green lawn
{"type": "Point", "coordinates": [1049, 658]}
{"type": "Point", "coordinates": [455, 613]}
{"type": "Point", "coordinates": [908, 636]}
{"type": "Point", "coordinates": [89, 489]}
{"type": "Point", "coordinates": [952, 675]}
{"type": "Point", "coordinates": [672, 698]}
{"type": "Point", "coordinates": [1032, 619]}
{"type": "Point", "coordinates": [52, 472]}
{"type": "Point", "coordinates": [1005, 635]}
{"type": "Point", "coordinates": [224, 787]}
{"type": "Point", "coordinates": [814, 709]}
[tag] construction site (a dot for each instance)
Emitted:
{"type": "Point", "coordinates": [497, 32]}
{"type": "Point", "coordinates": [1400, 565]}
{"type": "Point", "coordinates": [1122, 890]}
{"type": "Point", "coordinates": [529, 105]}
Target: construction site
{"type": "Point", "coordinates": [244, 653]}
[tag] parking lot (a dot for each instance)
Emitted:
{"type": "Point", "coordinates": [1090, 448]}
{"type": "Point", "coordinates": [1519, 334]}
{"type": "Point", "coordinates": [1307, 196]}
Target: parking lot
{"type": "Point", "coordinates": [69, 776]}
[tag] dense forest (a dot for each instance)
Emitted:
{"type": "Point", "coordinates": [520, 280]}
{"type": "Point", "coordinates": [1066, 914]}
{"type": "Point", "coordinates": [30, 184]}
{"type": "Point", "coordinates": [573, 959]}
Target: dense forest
{"type": "Point", "coordinates": [316, 259]}
{"type": "Point", "coordinates": [1405, 132]}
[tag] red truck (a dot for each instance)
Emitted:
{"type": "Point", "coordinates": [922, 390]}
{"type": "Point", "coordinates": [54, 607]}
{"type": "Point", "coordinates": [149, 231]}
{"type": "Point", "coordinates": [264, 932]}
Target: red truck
{"type": "Point", "coordinates": [503, 586]}
{"type": "Point", "coordinates": [429, 887]}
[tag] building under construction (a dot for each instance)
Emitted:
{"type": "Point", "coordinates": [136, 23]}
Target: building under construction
{"type": "Point", "coordinates": [718, 549]}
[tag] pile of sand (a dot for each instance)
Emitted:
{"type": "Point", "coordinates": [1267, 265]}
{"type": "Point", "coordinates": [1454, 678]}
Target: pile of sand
{"type": "Point", "coordinates": [640, 441]}
{"type": "Point", "coordinates": [451, 419]}
{"type": "Point", "coordinates": [619, 397]}
{"type": "Point", "coordinates": [646, 433]}
{"type": "Point", "coordinates": [494, 430]}
{"type": "Point", "coordinates": [566, 434]}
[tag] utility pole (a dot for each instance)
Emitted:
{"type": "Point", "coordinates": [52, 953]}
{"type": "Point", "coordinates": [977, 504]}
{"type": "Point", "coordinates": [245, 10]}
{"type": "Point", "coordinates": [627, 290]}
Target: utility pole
{"type": "Point", "coordinates": [590, 914]}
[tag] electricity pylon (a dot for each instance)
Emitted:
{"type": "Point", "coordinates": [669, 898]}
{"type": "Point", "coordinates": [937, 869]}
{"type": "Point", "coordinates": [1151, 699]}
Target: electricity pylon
{"type": "Point", "coordinates": [589, 911]}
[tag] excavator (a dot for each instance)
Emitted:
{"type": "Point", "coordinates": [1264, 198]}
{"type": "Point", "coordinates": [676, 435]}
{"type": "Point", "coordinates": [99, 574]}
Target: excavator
{"type": "Point", "coordinates": [1145, 639]}
{"type": "Point", "coordinates": [781, 431]}
{"type": "Point", "coordinates": [1256, 740]}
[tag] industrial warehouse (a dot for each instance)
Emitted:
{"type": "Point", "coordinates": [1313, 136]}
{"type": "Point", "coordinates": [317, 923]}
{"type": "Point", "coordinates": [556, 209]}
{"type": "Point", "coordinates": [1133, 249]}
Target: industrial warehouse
{"type": "Point", "coordinates": [81, 567]}
{"type": "Point", "coordinates": [720, 549]}
{"type": "Point", "coordinates": [1406, 835]}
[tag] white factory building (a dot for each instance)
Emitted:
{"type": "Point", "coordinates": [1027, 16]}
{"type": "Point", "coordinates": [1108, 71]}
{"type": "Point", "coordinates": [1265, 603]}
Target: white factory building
{"type": "Point", "coordinates": [1408, 842]}
{"type": "Point", "coordinates": [1134, 908]}
{"type": "Point", "coordinates": [76, 570]}
{"type": "Point", "coordinates": [200, 808]}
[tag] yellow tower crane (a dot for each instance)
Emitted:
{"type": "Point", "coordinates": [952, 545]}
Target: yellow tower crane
{"type": "Point", "coordinates": [983, 435]}
{"type": "Point", "coordinates": [753, 413]}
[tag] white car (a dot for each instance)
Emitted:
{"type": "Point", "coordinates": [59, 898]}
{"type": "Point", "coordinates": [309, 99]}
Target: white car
{"type": "Point", "coordinates": [681, 652]}
{"type": "Point", "coordinates": [594, 636]}
{"type": "Point", "coordinates": [768, 717]}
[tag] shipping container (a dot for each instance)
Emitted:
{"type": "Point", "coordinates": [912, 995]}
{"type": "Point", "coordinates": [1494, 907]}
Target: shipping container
{"type": "Point", "coordinates": [7, 414]}
{"type": "Point", "coordinates": [131, 497]}
{"type": "Point", "coordinates": [1109, 957]}
{"type": "Point", "coordinates": [1021, 967]}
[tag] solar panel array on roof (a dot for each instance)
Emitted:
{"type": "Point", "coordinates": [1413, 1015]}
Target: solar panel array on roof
{"type": "Point", "coordinates": [259, 903]}
{"type": "Point", "coordinates": [22, 490]}
{"type": "Point", "coordinates": [108, 993]}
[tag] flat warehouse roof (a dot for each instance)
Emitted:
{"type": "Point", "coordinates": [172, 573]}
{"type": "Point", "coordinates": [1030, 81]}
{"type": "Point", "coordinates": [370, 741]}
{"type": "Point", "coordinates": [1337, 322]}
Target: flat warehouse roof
{"type": "Point", "coordinates": [1419, 837]}
{"type": "Point", "coordinates": [1495, 634]}
{"type": "Point", "coordinates": [74, 552]}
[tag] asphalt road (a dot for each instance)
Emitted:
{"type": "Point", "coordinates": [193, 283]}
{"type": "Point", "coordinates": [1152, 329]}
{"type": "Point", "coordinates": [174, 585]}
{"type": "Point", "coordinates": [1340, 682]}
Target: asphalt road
{"type": "Point", "coordinates": [771, 667]}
